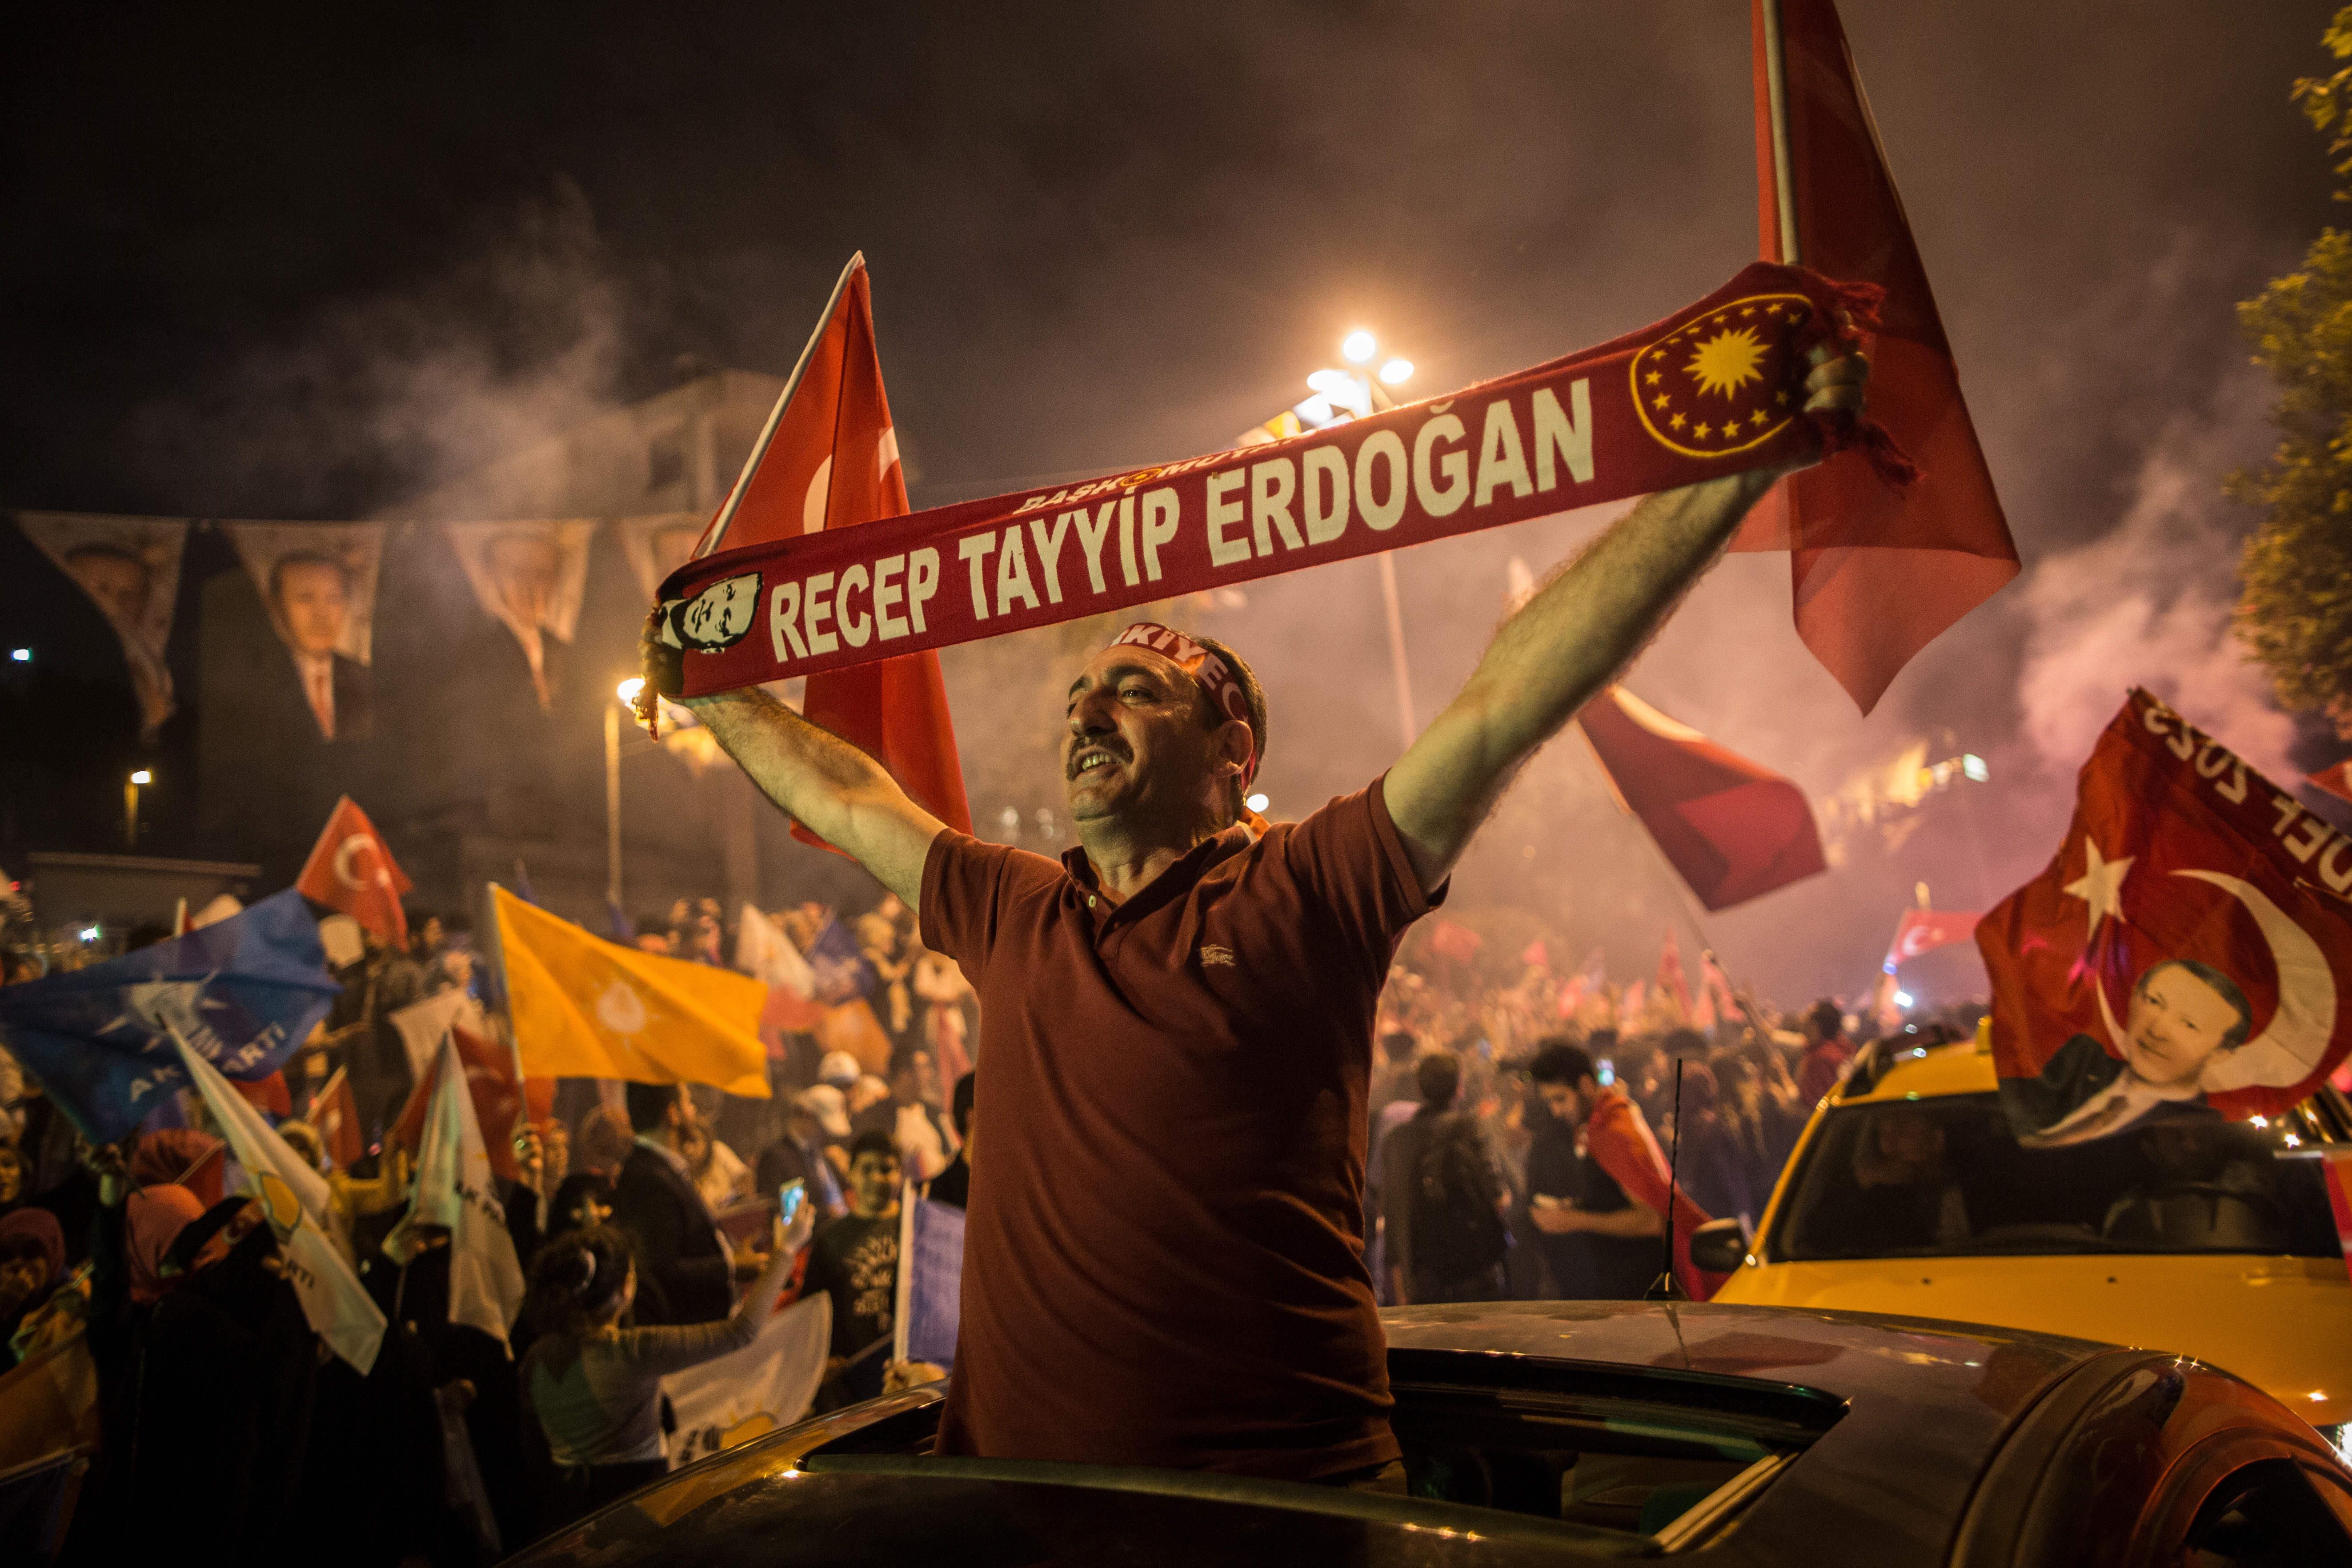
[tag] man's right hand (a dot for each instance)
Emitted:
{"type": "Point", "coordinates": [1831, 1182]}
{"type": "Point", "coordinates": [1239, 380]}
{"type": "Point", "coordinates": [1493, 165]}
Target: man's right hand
{"type": "Point", "coordinates": [663, 667]}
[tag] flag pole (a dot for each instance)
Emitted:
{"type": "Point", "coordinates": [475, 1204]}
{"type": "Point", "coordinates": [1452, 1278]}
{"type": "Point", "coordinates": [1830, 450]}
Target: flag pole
{"type": "Point", "coordinates": [1775, 87]}
{"type": "Point", "coordinates": [497, 956]}
{"type": "Point", "coordinates": [717, 529]}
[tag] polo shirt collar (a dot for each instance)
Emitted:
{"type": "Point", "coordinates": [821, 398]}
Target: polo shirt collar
{"type": "Point", "coordinates": [1170, 884]}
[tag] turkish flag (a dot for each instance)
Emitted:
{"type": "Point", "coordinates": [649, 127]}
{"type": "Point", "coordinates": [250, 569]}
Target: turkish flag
{"type": "Point", "coordinates": [1878, 572]}
{"type": "Point", "coordinates": [2194, 927]}
{"type": "Point", "coordinates": [1920, 929]}
{"type": "Point", "coordinates": [336, 1114]}
{"type": "Point", "coordinates": [352, 870]}
{"type": "Point", "coordinates": [1732, 828]}
{"type": "Point", "coordinates": [497, 1099]}
{"type": "Point", "coordinates": [832, 461]}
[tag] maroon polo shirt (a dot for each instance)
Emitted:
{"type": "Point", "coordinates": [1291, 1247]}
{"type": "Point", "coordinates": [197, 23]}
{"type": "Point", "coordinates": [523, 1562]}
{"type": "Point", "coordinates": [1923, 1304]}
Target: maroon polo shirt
{"type": "Point", "coordinates": [1164, 1254]}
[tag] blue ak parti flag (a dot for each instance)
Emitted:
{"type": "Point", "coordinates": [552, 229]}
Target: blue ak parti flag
{"type": "Point", "coordinates": [243, 994]}
{"type": "Point", "coordinates": [843, 973]}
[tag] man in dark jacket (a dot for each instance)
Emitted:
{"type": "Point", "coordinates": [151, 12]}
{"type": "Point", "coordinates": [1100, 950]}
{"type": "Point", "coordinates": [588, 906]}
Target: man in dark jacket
{"type": "Point", "coordinates": [685, 1270]}
{"type": "Point", "coordinates": [1440, 1198]}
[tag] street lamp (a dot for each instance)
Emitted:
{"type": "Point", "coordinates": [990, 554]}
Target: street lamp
{"type": "Point", "coordinates": [627, 693]}
{"type": "Point", "coordinates": [1340, 396]}
{"type": "Point", "coordinates": [131, 806]}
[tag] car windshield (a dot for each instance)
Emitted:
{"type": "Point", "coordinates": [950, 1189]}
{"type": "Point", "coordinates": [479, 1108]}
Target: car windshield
{"type": "Point", "coordinates": [1944, 1177]}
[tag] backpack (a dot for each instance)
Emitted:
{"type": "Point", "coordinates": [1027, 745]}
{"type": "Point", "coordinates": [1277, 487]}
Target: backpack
{"type": "Point", "coordinates": [1455, 1230]}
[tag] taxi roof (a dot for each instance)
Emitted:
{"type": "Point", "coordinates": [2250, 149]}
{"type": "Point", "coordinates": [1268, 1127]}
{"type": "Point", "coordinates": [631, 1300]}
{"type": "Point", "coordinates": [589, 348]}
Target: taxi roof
{"type": "Point", "coordinates": [1917, 1072]}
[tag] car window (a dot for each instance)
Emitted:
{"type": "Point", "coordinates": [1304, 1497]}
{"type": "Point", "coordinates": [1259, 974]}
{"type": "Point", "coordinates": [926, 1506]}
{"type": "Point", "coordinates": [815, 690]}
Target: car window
{"type": "Point", "coordinates": [2267, 1515]}
{"type": "Point", "coordinates": [1945, 1177]}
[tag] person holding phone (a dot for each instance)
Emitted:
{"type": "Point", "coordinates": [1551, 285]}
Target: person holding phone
{"type": "Point", "coordinates": [595, 1386]}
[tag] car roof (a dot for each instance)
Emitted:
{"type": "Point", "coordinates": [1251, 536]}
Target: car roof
{"type": "Point", "coordinates": [1887, 1069]}
{"type": "Point", "coordinates": [1919, 1072]}
{"type": "Point", "coordinates": [1891, 1420]}
{"type": "Point", "coordinates": [1924, 1363]}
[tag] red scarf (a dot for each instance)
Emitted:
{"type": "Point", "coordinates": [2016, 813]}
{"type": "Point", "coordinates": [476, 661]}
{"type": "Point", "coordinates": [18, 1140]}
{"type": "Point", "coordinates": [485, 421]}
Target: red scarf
{"type": "Point", "coordinates": [1617, 1136]}
{"type": "Point", "coordinates": [1715, 389]}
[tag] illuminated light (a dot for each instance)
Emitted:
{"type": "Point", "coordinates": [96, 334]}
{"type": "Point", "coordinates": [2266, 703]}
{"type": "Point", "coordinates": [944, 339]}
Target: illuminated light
{"type": "Point", "coordinates": [1396, 373]}
{"type": "Point", "coordinates": [1919, 1050]}
{"type": "Point", "coordinates": [1358, 347]}
{"type": "Point", "coordinates": [1257, 803]}
{"type": "Point", "coordinates": [1333, 383]}
{"type": "Point", "coordinates": [1974, 767]}
{"type": "Point", "coordinates": [89, 934]}
{"type": "Point", "coordinates": [1902, 998]}
{"type": "Point", "coordinates": [627, 691]}
{"type": "Point", "coordinates": [21, 655]}
{"type": "Point", "coordinates": [142, 776]}
{"type": "Point", "coordinates": [2318, 1396]}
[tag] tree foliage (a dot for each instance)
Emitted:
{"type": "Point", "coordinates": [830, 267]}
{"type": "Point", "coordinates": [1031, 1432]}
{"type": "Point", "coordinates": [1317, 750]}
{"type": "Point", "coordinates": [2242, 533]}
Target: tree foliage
{"type": "Point", "coordinates": [2294, 605]}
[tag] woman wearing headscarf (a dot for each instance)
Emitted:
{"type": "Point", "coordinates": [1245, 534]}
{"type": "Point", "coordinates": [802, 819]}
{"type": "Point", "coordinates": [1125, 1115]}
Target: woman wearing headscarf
{"type": "Point", "coordinates": [181, 1156]}
{"type": "Point", "coordinates": [595, 1385]}
{"type": "Point", "coordinates": [32, 1266]}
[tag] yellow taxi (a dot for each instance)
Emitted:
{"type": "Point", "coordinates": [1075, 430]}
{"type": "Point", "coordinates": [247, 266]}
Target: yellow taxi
{"type": "Point", "coordinates": [2213, 1238]}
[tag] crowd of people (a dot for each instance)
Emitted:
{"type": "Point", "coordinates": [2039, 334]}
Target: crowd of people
{"type": "Point", "coordinates": [649, 1244]}
{"type": "Point", "coordinates": [1516, 1149]}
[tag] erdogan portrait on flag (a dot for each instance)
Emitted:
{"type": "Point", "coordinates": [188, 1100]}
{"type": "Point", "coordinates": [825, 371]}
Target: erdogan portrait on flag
{"type": "Point", "coordinates": [2181, 958]}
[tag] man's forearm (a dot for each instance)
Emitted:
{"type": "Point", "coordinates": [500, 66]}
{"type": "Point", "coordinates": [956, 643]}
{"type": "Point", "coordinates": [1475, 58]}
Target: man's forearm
{"type": "Point", "coordinates": [1637, 1219]}
{"type": "Point", "coordinates": [1583, 626]}
{"type": "Point", "coordinates": [1565, 644]}
{"type": "Point", "coordinates": [830, 786]}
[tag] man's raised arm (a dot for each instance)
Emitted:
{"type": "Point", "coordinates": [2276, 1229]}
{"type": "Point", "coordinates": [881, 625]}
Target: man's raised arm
{"type": "Point", "coordinates": [1568, 642]}
{"type": "Point", "coordinates": [828, 785]}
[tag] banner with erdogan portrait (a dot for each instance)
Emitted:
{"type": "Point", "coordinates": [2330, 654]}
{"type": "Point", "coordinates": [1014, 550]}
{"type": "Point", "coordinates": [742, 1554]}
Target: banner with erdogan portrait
{"type": "Point", "coordinates": [130, 567]}
{"type": "Point", "coordinates": [528, 577]}
{"type": "Point", "coordinates": [2185, 955]}
{"type": "Point", "coordinates": [318, 582]}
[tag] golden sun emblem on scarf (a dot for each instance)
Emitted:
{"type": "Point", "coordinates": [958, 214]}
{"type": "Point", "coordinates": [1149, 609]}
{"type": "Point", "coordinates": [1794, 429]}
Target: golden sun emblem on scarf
{"type": "Point", "coordinates": [1724, 381]}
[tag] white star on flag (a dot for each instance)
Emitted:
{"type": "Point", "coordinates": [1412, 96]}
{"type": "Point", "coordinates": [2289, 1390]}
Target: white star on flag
{"type": "Point", "coordinates": [2101, 885]}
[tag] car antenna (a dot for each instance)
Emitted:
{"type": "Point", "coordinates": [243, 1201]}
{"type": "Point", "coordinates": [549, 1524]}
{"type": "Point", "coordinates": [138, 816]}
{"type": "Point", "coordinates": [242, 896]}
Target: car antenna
{"type": "Point", "coordinates": [1666, 1288]}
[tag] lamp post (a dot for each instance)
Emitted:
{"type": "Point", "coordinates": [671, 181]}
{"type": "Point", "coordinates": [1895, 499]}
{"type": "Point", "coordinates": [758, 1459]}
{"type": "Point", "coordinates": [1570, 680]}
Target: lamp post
{"type": "Point", "coordinates": [1357, 392]}
{"type": "Point", "coordinates": [131, 806]}
{"type": "Point", "coordinates": [627, 693]}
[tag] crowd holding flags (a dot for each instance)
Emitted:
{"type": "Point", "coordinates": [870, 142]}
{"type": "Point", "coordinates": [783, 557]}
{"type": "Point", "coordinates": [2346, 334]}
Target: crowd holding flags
{"type": "Point", "coordinates": [298, 1206]}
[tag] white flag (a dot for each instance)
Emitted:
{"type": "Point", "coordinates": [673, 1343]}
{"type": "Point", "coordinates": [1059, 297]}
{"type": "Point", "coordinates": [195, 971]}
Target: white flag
{"type": "Point", "coordinates": [455, 1188]}
{"type": "Point", "coordinates": [768, 1385]}
{"type": "Point", "coordinates": [767, 955]}
{"type": "Point", "coordinates": [296, 1199]}
{"type": "Point", "coordinates": [423, 1025]}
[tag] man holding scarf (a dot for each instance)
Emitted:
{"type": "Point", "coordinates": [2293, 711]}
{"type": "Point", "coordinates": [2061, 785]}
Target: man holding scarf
{"type": "Point", "coordinates": [1163, 1260]}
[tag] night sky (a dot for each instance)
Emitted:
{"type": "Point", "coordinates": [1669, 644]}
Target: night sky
{"type": "Point", "coordinates": [288, 266]}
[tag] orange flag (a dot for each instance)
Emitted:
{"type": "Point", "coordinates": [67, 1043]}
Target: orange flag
{"type": "Point", "coordinates": [352, 870]}
{"type": "Point", "coordinates": [830, 460]}
{"type": "Point", "coordinates": [1878, 572]}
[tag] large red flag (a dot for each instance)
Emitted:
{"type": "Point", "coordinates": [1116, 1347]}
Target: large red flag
{"type": "Point", "coordinates": [830, 460]}
{"type": "Point", "coordinates": [1733, 829]}
{"type": "Point", "coordinates": [352, 870]}
{"type": "Point", "coordinates": [2186, 953]}
{"type": "Point", "coordinates": [1878, 572]}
